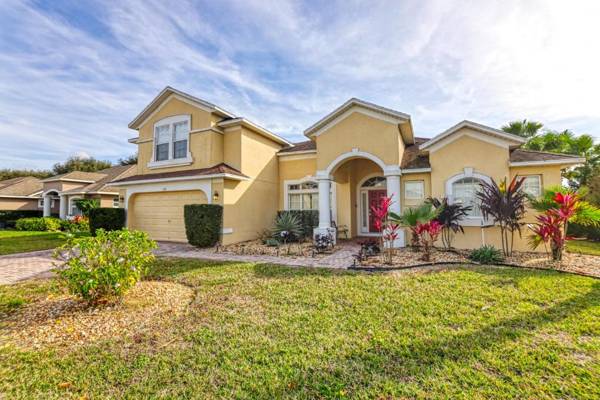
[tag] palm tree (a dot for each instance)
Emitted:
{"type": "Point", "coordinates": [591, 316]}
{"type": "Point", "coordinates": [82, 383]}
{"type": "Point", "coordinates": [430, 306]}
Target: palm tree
{"type": "Point", "coordinates": [413, 216]}
{"type": "Point", "coordinates": [523, 128]}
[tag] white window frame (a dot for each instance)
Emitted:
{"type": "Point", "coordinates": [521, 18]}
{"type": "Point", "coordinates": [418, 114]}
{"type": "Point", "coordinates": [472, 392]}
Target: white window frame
{"type": "Point", "coordinates": [539, 179]}
{"type": "Point", "coordinates": [116, 202]}
{"type": "Point", "coordinates": [468, 173]}
{"type": "Point", "coordinates": [421, 183]}
{"type": "Point", "coordinates": [286, 193]}
{"type": "Point", "coordinates": [360, 209]}
{"type": "Point", "coordinates": [170, 162]}
{"type": "Point", "coordinates": [71, 204]}
{"type": "Point", "coordinates": [41, 203]}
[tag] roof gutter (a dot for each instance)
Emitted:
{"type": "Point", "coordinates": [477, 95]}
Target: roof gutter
{"type": "Point", "coordinates": [180, 178]}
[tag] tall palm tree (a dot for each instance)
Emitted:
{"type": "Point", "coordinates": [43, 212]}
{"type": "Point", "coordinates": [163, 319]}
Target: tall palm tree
{"type": "Point", "coordinates": [523, 128]}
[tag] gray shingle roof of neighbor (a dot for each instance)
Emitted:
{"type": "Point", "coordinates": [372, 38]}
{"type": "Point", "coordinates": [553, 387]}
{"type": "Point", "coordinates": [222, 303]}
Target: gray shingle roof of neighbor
{"type": "Point", "coordinates": [21, 186]}
{"type": "Point", "coordinates": [108, 175]}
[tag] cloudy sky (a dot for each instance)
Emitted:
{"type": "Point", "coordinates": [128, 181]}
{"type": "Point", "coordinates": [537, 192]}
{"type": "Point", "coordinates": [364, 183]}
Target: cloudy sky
{"type": "Point", "coordinates": [74, 73]}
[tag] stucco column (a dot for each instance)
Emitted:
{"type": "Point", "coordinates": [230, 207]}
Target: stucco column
{"type": "Point", "coordinates": [62, 213]}
{"type": "Point", "coordinates": [392, 178]}
{"type": "Point", "coordinates": [47, 205]}
{"type": "Point", "coordinates": [324, 181]}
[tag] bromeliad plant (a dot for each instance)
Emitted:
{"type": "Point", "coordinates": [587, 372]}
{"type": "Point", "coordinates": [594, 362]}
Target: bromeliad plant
{"type": "Point", "coordinates": [505, 204]}
{"type": "Point", "coordinates": [449, 216]}
{"type": "Point", "coordinates": [428, 233]}
{"type": "Point", "coordinates": [551, 226]}
{"type": "Point", "coordinates": [388, 229]}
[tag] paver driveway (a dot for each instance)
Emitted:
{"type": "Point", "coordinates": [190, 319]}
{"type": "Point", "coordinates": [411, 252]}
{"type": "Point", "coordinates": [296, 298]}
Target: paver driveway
{"type": "Point", "coordinates": [17, 267]}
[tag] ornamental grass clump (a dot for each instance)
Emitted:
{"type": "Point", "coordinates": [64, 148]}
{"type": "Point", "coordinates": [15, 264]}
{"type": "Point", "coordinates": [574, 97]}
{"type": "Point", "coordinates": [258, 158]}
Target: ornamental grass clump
{"type": "Point", "coordinates": [98, 269]}
{"type": "Point", "coordinates": [486, 254]}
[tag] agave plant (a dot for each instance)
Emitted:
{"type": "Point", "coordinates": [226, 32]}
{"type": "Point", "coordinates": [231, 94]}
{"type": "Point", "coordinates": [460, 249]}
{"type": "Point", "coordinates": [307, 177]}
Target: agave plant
{"type": "Point", "coordinates": [449, 216]}
{"type": "Point", "coordinates": [505, 204]}
{"type": "Point", "coordinates": [412, 217]}
{"type": "Point", "coordinates": [287, 227]}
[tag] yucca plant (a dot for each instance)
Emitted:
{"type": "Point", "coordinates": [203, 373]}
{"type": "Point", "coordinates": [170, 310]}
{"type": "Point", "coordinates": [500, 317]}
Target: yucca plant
{"type": "Point", "coordinates": [449, 216]}
{"type": "Point", "coordinates": [412, 217]}
{"type": "Point", "coordinates": [505, 205]}
{"type": "Point", "coordinates": [288, 227]}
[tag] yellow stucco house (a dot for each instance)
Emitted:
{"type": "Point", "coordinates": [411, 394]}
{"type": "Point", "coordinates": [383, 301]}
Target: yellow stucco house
{"type": "Point", "coordinates": [192, 151]}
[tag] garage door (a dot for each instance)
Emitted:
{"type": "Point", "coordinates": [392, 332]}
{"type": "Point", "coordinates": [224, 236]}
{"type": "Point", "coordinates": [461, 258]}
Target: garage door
{"type": "Point", "coordinates": [161, 214]}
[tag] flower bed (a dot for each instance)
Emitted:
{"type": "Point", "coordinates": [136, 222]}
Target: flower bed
{"type": "Point", "coordinates": [257, 248]}
{"type": "Point", "coordinates": [572, 262]}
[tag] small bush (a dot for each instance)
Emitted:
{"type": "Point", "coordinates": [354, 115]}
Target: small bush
{"type": "Point", "coordinates": [105, 266]}
{"type": "Point", "coordinates": [486, 255]}
{"type": "Point", "coordinates": [78, 224]}
{"type": "Point", "coordinates": [271, 242]}
{"type": "Point", "coordinates": [43, 224]}
{"type": "Point", "coordinates": [309, 219]}
{"type": "Point", "coordinates": [287, 227]}
{"type": "Point", "coordinates": [588, 232]}
{"type": "Point", "coordinates": [8, 218]}
{"type": "Point", "coordinates": [203, 224]}
{"type": "Point", "coordinates": [109, 219]}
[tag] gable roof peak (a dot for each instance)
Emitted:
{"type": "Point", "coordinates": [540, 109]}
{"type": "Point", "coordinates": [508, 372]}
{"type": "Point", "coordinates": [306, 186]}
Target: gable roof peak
{"type": "Point", "coordinates": [511, 139]}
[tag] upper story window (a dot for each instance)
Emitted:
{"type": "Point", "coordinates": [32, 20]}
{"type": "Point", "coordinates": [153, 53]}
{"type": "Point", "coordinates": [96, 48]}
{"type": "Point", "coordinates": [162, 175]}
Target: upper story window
{"type": "Point", "coordinates": [414, 190]}
{"type": "Point", "coordinates": [532, 185]}
{"type": "Point", "coordinates": [171, 140]}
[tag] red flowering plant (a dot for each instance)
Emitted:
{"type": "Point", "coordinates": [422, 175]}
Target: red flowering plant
{"type": "Point", "coordinates": [551, 226]}
{"type": "Point", "coordinates": [388, 230]}
{"type": "Point", "coordinates": [428, 233]}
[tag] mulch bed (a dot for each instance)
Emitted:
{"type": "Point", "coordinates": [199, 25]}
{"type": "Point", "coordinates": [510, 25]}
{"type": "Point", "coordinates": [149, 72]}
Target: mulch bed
{"type": "Point", "coordinates": [257, 248]}
{"type": "Point", "coordinates": [62, 321]}
{"type": "Point", "coordinates": [407, 258]}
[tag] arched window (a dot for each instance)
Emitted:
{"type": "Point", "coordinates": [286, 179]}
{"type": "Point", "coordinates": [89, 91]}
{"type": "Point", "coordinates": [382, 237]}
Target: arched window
{"type": "Point", "coordinates": [464, 192]}
{"type": "Point", "coordinates": [376, 181]}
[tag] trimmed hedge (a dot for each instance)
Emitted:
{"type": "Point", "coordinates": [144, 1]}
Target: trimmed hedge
{"type": "Point", "coordinates": [309, 219]}
{"type": "Point", "coordinates": [109, 219]}
{"type": "Point", "coordinates": [8, 218]}
{"type": "Point", "coordinates": [588, 232]}
{"type": "Point", "coordinates": [43, 224]}
{"type": "Point", "coordinates": [203, 224]}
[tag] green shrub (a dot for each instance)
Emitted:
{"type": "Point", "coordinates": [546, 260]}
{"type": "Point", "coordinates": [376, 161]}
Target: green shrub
{"type": "Point", "coordinates": [203, 224]}
{"type": "Point", "coordinates": [486, 255]}
{"type": "Point", "coordinates": [77, 224]}
{"type": "Point", "coordinates": [287, 227]}
{"type": "Point", "coordinates": [309, 219]}
{"type": "Point", "coordinates": [43, 224]}
{"type": "Point", "coordinates": [271, 242]}
{"type": "Point", "coordinates": [8, 218]}
{"type": "Point", "coordinates": [588, 232]}
{"type": "Point", "coordinates": [109, 219]}
{"type": "Point", "coordinates": [105, 266]}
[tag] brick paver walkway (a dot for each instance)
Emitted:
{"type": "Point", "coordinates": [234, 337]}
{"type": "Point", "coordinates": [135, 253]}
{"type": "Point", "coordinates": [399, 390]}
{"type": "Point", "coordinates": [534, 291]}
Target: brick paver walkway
{"type": "Point", "coordinates": [38, 264]}
{"type": "Point", "coordinates": [342, 258]}
{"type": "Point", "coordinates": [17, 267]}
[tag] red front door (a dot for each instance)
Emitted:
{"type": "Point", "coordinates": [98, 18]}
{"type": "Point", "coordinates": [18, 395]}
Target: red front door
{"type": "Point", "coordinates": [374, 200]}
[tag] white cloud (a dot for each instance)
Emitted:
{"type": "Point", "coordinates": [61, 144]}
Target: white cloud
{"type": "Point", "coordinates": [71, 82]}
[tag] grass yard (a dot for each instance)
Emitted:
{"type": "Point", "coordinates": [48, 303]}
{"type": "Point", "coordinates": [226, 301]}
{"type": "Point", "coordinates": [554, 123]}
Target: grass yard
{"type": "Point", "coordinates": [21, 241]}
{"type": "Point", "coordinates": [263, 331]}
{"type": "Point", "coordinates": [584, 247]}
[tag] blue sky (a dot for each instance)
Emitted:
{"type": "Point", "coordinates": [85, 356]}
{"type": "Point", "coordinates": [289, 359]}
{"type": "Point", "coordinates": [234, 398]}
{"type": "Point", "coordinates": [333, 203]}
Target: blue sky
{"type": "Point", "coordinates": [74, 73]}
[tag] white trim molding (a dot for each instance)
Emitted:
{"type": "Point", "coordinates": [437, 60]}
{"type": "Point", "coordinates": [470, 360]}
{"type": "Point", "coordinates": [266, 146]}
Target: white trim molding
{"type": "Point", "coordinates": [467, 173]}
{"type": "Point", "coordinates": [309, 178]}
{"type": "Point", "coordinates": [579, 160]}
{"type": "Point", "coordinates": [179, 179]}
{"type": "Point", "coordinates": [507, 139]}
{"type": "Point", "coordinates": [355, 153]}
{"type": "Point", "coordinates": [415, 170]}
{"type": "Point", "coordinates": [171, 161]}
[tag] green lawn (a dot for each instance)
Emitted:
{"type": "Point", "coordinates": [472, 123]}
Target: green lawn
{"type": "Point", "coordinates": [21, 241]}
{"type": "Point", "coordinates": [584, 247]}
{"type": "Point", "coordinates": [263, 331]}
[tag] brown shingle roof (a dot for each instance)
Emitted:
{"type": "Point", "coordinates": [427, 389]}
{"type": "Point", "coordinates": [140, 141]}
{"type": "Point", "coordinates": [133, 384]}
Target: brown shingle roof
{"type": "Point", "coordinates": [108, 175]}
{"type": "Point", "coordinates": [217, 169]}
{"type": "Point", "coordinates": [78, 176]}
{"type": "Point", "coordinates": [412, 159]}
{"type": "Point", "coordinates": [522, 155]}
{"type": "Point", "coordinates": [300, 146]}
{"type": "Point", "coordinates": [22, 186]}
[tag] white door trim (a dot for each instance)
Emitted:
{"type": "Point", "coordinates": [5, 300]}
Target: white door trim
{"type": "Point", "coordinates": [361, 230]}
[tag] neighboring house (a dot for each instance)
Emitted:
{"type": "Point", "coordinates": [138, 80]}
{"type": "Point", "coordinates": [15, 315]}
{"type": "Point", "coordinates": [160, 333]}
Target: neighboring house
{"type": "Point", "coordinates": [191, 151]}
{"type": "Point", "coordinates": [60, 192]}
{"type": "Point", "coordinates": [21, 193]}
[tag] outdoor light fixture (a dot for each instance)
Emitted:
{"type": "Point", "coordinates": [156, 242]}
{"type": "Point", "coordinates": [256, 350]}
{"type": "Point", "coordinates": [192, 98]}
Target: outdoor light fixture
{"type": "Point", "coordinates": [216, 196]}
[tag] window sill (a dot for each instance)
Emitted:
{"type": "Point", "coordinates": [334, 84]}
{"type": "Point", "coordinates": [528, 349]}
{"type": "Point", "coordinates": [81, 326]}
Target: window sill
{"type": "Point", "coordinates": [475, 222]}
{"type": "Point", "coordinates": [170, 163]}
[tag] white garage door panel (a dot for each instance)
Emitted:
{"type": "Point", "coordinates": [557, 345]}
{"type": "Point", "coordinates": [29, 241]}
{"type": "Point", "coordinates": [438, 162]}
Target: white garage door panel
{"type": "Point", "coordinates": [161, 214]}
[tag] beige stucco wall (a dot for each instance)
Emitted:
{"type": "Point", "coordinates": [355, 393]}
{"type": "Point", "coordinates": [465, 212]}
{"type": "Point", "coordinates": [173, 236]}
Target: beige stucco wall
{"type": "Point", "coordinates": [362, 132]}
{"type": "Point", "coordinates": [206, 147]}
{"type": "Point", "coordinates": [291, 168]}
{"type": "Point", "coordinates": [250, 206]}
{"type": "Point", "coordinates": [18, 204]}
{"type": "Point", "coordinates": [425, 178]}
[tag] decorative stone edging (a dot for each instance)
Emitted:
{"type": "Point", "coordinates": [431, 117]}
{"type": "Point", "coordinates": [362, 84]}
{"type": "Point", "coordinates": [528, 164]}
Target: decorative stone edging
{"type": "Point", "coordinates": [441, 264]}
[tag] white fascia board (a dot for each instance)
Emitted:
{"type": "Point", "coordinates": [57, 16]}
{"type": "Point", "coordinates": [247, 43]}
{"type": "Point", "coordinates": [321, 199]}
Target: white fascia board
{"type": "Point", "coordinates": [251, 125]}
{"type": "Point", "coordinates": [67, 180]}
{"type": "Point", "coordinates": [546, 162]}
{"type": "Point", "coordinates": [180, 178]}
{"type": "Point", "coordinates": [7, 196]}
{"type": "Point", "coordinates": [508, 137]}
{"type": "Point", "coordinates": [133, 140]}
{"type": "Point", "coordinates": [415, 170]}
{"type": "Point", "coordinates": [329, 119]}
{"type": "Point", "coordinates": [292, 153]}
